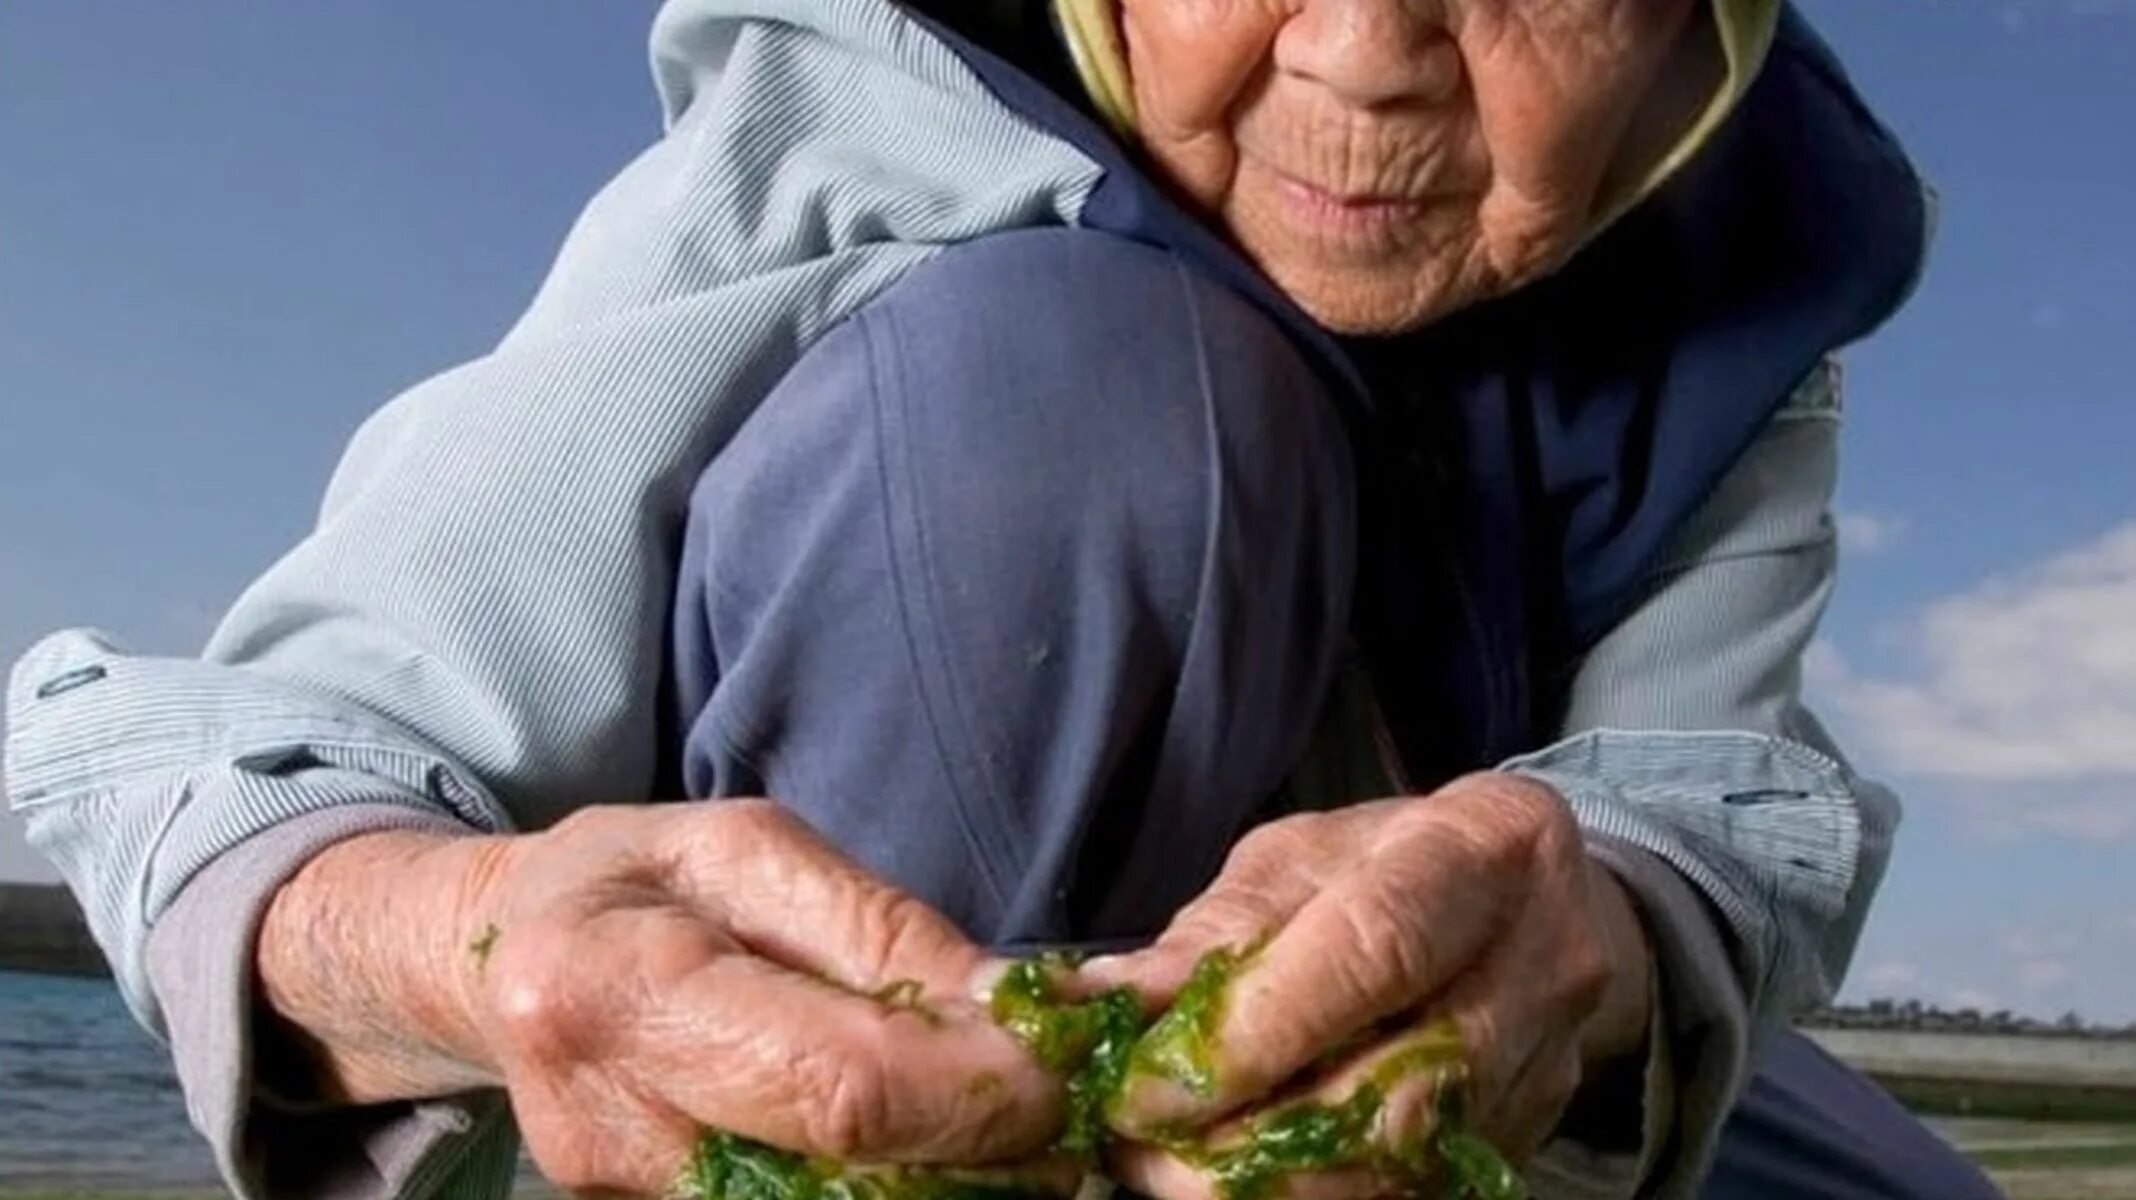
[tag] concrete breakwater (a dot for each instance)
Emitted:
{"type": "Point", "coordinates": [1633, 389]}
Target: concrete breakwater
{"type": "Point", "coordinates": [41, 929]}
{"type": "Point", "coordinates": [2081, 1062]}
{"type": "Point", "coordinates": [2022, 1077]}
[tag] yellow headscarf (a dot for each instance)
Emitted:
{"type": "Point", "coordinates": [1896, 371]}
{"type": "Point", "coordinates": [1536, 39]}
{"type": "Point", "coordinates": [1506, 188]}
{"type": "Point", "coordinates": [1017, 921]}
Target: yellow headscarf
{"type": "Point", "coordinates": [1743, 31]}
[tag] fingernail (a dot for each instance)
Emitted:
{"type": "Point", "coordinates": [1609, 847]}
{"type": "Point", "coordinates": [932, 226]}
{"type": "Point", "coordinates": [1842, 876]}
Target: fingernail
{"type": "Point", "coordinates": [1094, 1187]}
{"type": "Point", "coordinates": [1148, 1105]}
{"type": "Point", "coordinates": [1104, 969]}
{"type": "Point", "coordinates": [986, 977]}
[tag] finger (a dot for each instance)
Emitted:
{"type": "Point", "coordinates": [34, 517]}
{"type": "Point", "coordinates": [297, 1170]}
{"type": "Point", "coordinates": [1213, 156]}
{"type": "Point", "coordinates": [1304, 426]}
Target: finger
{"type": "Point", "coordinates": [600, 1139]}
{"type": "Point", "coordinates": [565, 1009]}
{"type": "Point", "coordinates": [796, 898]}
{"type": "Point", "coordinates": [620, 1157]}
{"type": "Point", "coordinates": [743, 1044]}
{"type": "Point", "coordinates": [727, 1168]}
{"type": "Point", "coordinates": [1380, 1107]}
{"type": "Point", "coordinates": [1364, 1127]}
{"type": "Point", "coordinates": [1374, 943]}
{"type": "Point", "coordinates": [633, 1163]}
{"type": "Point", "coordinates": [1268, 877]}
{"type": "Point", "coordinates": [1416, 1094]}
{"type": "Point", "coordinates": [1165, 1175]}
{"type": "Point", "coordinates": [1519, 1012]}
{"type": "Point", "coordinates": [1522, 1117]}
{"type": "Point", "coordinates": [1048, 1175]}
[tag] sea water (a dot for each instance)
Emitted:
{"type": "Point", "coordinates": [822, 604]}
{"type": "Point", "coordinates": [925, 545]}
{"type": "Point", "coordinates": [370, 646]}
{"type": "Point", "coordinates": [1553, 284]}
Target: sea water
{"type": "Point", "coordinates": [86, 1098]}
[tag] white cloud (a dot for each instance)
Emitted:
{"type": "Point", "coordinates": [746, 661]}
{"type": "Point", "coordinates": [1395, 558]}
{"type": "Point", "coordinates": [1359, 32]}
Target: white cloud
{"type": "Point", "coordinates": [2103, 814]}
{"type": "Point", "coordinates": [2055, 961]}
{"type": "Point", "coordinates": [2055, 944]}
{"type": "Point", "coordinates": [1890, 978]}
{"type": "Point", "coordinates": [2029, 679]}
{"type": "Point", "coordinates": [1863, 534]}
{"type": "Point", "coordinates": [2039, 975]}
{"type": "Point", "coordinates": [2032, 941]}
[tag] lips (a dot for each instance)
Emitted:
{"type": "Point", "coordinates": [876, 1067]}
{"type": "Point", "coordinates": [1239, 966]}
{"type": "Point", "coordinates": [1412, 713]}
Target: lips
{"type": "Point", "coordinates": [1345, 206]}
{"type": "Point", "coordinates": [1363, 222]}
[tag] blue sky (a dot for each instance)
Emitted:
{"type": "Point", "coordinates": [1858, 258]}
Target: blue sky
{"type": "Point", "coordinates": [228, 232]}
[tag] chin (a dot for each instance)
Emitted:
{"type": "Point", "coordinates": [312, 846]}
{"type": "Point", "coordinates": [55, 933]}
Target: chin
{"type": "Point", "coordinates": [1362, 303]}
{"type": "Point", "coordinates": [1400, 295]}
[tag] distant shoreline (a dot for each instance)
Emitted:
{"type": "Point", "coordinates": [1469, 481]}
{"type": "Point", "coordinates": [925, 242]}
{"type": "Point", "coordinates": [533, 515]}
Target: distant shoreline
{"type": "Point", "coordinates": [42, 932]}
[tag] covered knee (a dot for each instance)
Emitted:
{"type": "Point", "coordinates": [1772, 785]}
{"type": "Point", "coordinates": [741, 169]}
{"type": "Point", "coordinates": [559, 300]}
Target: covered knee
{"type": "Point", "coordinates": [1033, 412]}
{"type": "Point", "coordinates": [1051, 523]}
{"type": "Point", "coordinates": [1049, 396]}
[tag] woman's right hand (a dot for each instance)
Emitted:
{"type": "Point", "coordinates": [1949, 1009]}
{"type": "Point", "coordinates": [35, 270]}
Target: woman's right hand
{"type": "Point", "coordinates": [636, 975]}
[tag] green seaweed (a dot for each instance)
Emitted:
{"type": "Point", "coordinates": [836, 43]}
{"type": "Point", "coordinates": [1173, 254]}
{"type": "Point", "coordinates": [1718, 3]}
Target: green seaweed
{"type": "Point", "coordinates": [1093, 1046]}
{"type": "Point", "coordinates": [1433, 1051]}
{"type": "Point", "coordinates": [985, 1083]}
{"type": "Point", "coordinates": [729, 1167]}
{"type": "Point", "coordinates": [906, 995]}
{"type": "Point", "coordinates": [1475, 1170]}
{"type": "Point", "coordinates": [484, 945]}
{"type": "Point", "coordinates": [1310, 1136]}
{"type": "Point", "coordinates": [1319, 1135]}
{"type": "Point", "coordinates": [1026, 1002]}
{"type": "Point", "coordinates": [1087, 1043]}
{"type": "Point", "coordinates": [1181, 1046]}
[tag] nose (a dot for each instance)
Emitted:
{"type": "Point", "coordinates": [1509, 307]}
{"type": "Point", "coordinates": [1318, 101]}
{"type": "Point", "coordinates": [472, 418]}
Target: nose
{"type": "Point", "coordinates": [1373, 53]}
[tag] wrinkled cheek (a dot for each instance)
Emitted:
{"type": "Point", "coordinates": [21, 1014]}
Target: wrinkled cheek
{"type": "Point", "coordinates": [1203, 166]}
{"type": "Point", "coordinates": [1523, 239]}
{"type": "Point", "coordinates": [1552, 131]}
{"type": "Point", "coordinates": [1197, 64]}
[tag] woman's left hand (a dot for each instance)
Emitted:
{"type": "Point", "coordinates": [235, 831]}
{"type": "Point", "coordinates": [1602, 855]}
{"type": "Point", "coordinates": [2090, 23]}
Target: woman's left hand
{"type": "Point", "coordinates": [1477, 904]}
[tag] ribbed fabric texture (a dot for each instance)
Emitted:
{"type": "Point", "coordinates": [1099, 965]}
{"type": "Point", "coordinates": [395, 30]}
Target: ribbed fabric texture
{"type": "Point", "coordinates": [1686, 743]}
{"type": "Point", "coordinates": [1693, 705]}
{"type": "Point", "coordinates": [481, 609]}
{"type": "Point", "coordinates": [475, 627]}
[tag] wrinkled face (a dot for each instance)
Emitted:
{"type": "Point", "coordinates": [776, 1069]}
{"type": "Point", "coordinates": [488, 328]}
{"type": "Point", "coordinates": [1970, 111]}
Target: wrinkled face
{"type": "Point", "coordinates": [1389, 161]}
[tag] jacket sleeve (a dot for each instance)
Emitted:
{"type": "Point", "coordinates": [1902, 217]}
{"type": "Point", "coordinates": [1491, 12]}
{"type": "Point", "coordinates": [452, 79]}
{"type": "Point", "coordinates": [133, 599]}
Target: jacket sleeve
{"type": "Point", "coordinates": [1750, 845]}
{"type": "Point", "coordinates": [471, 638]}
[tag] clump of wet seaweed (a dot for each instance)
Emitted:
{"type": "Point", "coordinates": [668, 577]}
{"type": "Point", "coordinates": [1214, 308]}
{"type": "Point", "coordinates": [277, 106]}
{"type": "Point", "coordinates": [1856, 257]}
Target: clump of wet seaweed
{"type": "Point", "coordinates": [728, 1167]}
{"type": "Point", "coordinates": [1095, 1045]}
{"type": "Point", "coordinates": [1087, 1043]}
{"type": "Point", "coordinates": [1319, 1135]}
{"type": "Point", "coordinates": [1181, 1046]}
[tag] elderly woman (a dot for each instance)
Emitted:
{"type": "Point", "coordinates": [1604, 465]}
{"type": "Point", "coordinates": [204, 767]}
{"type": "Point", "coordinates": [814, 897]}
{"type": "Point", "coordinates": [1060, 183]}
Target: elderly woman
{"type": "Point", "coordinates": [1081, 460]}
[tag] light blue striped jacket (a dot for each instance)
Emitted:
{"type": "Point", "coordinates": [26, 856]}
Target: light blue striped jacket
{"type": "Point", "coordinates": [471, 637]}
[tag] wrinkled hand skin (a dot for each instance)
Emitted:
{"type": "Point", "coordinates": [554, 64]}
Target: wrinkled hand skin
{"type": "Point", "coordinates": [1478, 904]}
{"type": "Point", "coordinates": [656, 971]}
